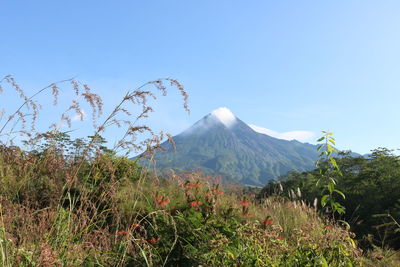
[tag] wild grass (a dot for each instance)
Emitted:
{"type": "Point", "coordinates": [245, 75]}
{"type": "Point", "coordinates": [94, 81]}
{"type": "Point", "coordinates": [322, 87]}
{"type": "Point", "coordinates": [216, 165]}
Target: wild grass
{"type": "Point", "coordinates": [76, 202]}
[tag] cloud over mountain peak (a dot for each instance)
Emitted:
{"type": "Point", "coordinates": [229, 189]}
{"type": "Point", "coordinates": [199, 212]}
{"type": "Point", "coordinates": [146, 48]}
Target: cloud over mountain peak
{"type": "Point", "coordinates": [224, 115]}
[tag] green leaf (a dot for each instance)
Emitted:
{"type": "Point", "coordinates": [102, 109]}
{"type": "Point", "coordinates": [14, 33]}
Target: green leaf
{"type": "Point", "coordinates": [334, 163]}
{"type": "Point", "coordinates": [331, 187]}
{"type": "Point", "coordinates": [338, 172]}
{"type": "Point", "coordinates": [329, 147]}
{"type": "Point", "coordinates": [323, 262]}
{"type": "Point", "coordinates": [351, 241]}
{"type": "Point", "coordinates": [337, 207]}
{"type": "Point", "coordinates": [324, 200]}
{"type": "Point", "coordinates": [339, 210]}
{"type": "Point", "coordinates": [340, 193]}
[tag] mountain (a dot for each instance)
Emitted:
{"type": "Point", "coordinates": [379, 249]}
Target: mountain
{"type": "Point", "coordinates": [222, 144]}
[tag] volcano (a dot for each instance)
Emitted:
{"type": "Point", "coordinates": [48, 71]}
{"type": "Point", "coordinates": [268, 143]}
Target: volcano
{"type": "Point", "coordinates": [222, 144]}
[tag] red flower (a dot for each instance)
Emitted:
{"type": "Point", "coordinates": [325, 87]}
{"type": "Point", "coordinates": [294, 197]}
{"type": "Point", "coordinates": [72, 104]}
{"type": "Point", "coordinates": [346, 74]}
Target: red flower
{"type": "Point", "coordinates": [122, 232]}
{"type": "Point", "coordinates": [161, 201]}
{"type": "Point", "coordinates": [280, 237]}
{"type": "Point", "coordinates": [244, 203]}
{"type": "Point", "coordinates": [267, 222]}
{"type": "Point", "coordinates": [328, 227]}
{"type": "Point", "coordinates": [220, 192]}
{"type": "Point", "coordinates": [195, 203]}
{"type": "Point", "coordinates": [153, 240]}
{"type": "Point", "coordinates": [190, 186]}
{"type": "Point", "coordinates": [249, 214]}
{"type": "Point", "coordinates": [197, 185]}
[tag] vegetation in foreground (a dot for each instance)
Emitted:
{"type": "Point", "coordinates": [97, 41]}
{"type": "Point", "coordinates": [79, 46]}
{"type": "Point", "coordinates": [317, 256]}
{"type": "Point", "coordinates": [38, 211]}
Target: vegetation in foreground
{"type": "Point", "coordinates": [70, 202]}
{"type": "Point", "coordinates": [116, 214]}
{"type": "Point", "coordinates": [372, 188]}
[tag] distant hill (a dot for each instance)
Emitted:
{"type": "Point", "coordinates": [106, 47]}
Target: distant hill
{"type": "Point", "coordinates": [222, 144]}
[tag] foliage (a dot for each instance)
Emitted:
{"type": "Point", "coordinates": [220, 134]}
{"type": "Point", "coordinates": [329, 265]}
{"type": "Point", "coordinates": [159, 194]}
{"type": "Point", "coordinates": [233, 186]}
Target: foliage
{"type": "Point", "coordinates": [371, 185]}
{"type": "Point", "coordinates": [326, 166]}
{"type": "Point", "coordinates": [184, 221]}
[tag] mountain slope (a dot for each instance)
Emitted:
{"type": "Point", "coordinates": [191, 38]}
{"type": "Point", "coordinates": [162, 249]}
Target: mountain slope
{"type": "Point", "coordinates": [222, 144]}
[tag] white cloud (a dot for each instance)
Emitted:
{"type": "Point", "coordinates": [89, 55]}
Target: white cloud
{"type": "Point", "coordinates": [225, 116]}
{"type": "Point", "coordinates": [302, 136]}
{"type": "Point", "coordinates": [79, 117]}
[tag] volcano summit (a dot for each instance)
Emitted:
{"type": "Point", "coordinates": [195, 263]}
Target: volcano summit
{"type": "Point", "coordinates": [222, 144]}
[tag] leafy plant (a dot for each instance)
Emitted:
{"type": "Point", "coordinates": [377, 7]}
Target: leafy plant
{"type": "Point", "coordinates": [328, 165]}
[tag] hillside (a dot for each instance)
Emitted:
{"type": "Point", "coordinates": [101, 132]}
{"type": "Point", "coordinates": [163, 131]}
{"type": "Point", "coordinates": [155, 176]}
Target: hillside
{"type": "Point", "coordinates": [222, 144]}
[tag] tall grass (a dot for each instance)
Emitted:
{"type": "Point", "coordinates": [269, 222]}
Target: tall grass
{"type": "Point", "coordinates": [66, 202]}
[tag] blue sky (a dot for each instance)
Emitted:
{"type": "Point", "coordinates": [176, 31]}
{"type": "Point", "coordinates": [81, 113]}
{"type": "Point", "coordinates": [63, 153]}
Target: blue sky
{"type": "Point", "coordinates": [282, 65]}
